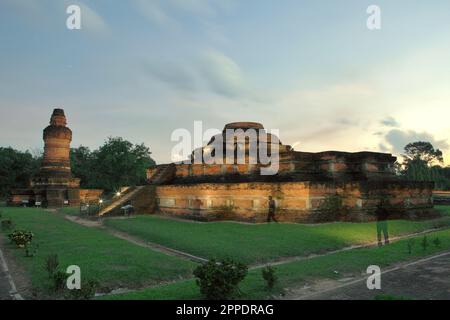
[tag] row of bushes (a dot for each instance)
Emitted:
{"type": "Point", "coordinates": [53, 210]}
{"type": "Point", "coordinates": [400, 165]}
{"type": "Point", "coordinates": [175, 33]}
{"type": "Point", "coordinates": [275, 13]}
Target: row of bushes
{"type": "Point", "coordinates": [424, 243]}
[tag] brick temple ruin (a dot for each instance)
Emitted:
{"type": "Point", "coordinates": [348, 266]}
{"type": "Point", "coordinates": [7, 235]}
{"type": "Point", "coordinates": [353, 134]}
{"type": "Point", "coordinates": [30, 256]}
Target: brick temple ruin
{"type": "Point", "coordinates": [54, 186]}
{"type": "Point", "coordinates": [308, 187]}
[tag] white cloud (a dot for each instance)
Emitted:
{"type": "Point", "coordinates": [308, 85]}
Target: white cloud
{"type": "Point", "coordinates": [174, 74]}
{"type": "Point", "coordinates": [152, 10]}
{"type": "Point", "coordinates": [165, 13]}
{"type": "Point", "coordinates": [91, 20]}
{"type": "Point", "coordinates": [222, 74]}
{"type": "Point", "coordinates": [397, 139]}
{"type": "Point", "coordinates": [390, 122]}
{"type": "Point", "coordinates": [207, 72]}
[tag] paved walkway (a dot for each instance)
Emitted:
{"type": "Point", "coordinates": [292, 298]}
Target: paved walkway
{"type": "Point", "coordinates": [425, 279]}
{"type": "Point", "coordinates": [4, 287]}
{"type": "Point", "coordinates": [8, 289]}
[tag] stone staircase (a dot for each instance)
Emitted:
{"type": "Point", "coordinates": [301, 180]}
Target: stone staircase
{"type": "Point", "coordinates": [142, 198]}
{"type": "Point", "coordinates": [164, 174]}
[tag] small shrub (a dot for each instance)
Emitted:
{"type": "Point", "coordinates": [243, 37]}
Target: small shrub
{"type": "Point", "coordinates": [87, 291]}
{"type": "Point", "coordinates": [268, 274]}
{"type": "Point", "coordinates": [51, 265]}
{"type": "Point", "coordinates": [424, 243]}
{"type": "Point", "coordinates": [7, 224]}
{"type": "Point", "coordinates": [220, 280]}
{"type": "Point", "coordinates": [59, 280]}
{"type": "Point", "coordinates": [31, 250]}
{"type": "Point", "coordinates": [410, 244]}
{"type": "Point", "coordinates": [330, 209]}
{"type": "Point", "coordinates": [21, 238]}
{"type": "Point", "coordinates": [437, 242]}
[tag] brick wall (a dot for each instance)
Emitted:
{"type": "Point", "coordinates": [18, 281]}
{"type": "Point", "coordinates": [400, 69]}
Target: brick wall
{"type": "Point", "coordinates": [296, 201]}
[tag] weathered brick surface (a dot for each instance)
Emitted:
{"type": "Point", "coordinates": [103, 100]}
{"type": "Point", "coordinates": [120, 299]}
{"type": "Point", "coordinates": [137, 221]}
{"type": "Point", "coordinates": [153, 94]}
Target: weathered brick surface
{"type": "Point", "coordinates": [296, 201]}
{"type": "Point", "coordinates": [303, 186]}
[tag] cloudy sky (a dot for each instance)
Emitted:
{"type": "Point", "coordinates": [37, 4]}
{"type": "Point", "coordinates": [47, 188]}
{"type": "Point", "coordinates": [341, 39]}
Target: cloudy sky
{"type": "Point", "coordinates": [142, 68]}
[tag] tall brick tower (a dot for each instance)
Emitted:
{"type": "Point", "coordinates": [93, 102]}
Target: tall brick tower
{"type": "Point", "coordinates": [54, 184]}
{"type": "Point", "coordinates": [57, 138]}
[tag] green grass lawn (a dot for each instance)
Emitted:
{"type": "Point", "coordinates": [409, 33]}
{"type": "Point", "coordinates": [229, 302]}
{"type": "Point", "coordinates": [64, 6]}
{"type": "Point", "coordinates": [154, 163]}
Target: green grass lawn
{"type": "Point", "coordinates": [116, 263]}
{"type": "Point", "coordinates": [72, 211]}
{"type": "Point", "coordinates": [111, 261]}
{"type": "Point", "coordinates": [295, 273]}
{"type": "Point", "coordinates": [75, 211]}
{"type": "Point", "coordinates": [262, 242]}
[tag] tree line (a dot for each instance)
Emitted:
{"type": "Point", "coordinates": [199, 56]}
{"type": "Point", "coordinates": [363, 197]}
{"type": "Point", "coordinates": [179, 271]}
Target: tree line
{"type": "Point", "coordinates": [116, 163]}
{"type": "Point", "coordinates": [422, 162]}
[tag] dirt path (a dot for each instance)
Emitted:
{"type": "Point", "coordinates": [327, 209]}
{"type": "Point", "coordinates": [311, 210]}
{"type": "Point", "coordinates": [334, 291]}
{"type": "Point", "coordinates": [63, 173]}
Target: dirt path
{"type": "Point", "coordinates": [8, 289]}
{"type": "Point", "coordinates": [5, 286]}
{"type": "Point", "coordinates": [424, 279]}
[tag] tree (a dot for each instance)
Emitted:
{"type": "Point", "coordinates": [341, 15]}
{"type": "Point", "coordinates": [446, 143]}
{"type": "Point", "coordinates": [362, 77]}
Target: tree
{"type": "Point", "coordinates": [423, 163]}
{"type": "Point", "coordinates": [81, 162]}
{"type": "Point", "coordinates": [16, 169]}
{"type": "Point", "coordinates": [116, 163]}
{"type": "Point", "coordinates": [119, 163]}
{"type": "Point", "coordinates": [423, 151]}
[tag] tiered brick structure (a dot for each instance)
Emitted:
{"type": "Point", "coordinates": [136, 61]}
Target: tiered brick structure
{"type": "Point", "coordinates": [54, 185]}
{"type": "Point", "coordinates": [309, 187]}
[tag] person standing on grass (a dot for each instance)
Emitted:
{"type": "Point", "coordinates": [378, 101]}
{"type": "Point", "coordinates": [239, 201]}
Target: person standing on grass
{"type": "Point", "coordinates": [382, 225]}
{"type": "Point", "coordinates": [272, 207]}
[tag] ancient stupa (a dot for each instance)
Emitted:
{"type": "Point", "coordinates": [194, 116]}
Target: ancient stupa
{"type": "Point", "coordinates": [54, 186]}
{"type": "Point", "coordinates": [308, 187]}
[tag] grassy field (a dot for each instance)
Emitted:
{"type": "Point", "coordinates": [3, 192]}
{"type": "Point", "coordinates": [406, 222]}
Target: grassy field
{"type": "Point", "coordinates": [71, 211]}
{"type": "Point", "coordinates": [116, 263]}
{"type": "Point", "coordinates": [111, 261]}
{"type": "Point", "coordinates": [263, 242]}
{"type": "Point", "coordinates": [352, 262]}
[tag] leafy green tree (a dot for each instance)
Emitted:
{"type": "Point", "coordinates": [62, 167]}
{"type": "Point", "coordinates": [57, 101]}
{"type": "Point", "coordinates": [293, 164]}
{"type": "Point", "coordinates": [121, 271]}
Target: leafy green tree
{"type": "Point", "coordinates": [423, 163]}
{"type": "Point", "coordinates": [119, 163]}
{"type": "Point", "coordinates": [82, 162]}
{"type": "Point", "coordinates": [16, 169]}
{"type": "Point", "coordinates": [423, 151]}
{"type": "Point", "coordinates": [417, 170]}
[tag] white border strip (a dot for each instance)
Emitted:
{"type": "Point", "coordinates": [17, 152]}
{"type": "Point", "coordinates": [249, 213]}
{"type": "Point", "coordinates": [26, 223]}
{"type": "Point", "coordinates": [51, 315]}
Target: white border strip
{"type": "Point", "coordinates": [13, 292]}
